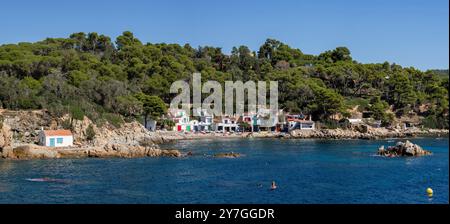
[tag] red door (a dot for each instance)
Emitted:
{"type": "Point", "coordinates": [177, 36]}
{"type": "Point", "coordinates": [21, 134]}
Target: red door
{"type": "Point", "coordinates": [179, 127]}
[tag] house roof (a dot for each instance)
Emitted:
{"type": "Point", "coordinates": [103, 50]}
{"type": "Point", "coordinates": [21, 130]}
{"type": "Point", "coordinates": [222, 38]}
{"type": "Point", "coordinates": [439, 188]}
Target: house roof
{"type": "Point", "coordinates": [58, 133]}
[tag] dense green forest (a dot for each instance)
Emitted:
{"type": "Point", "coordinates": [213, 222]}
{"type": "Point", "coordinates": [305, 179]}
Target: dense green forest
{"type": "Point", "coordinates": [89, 74]}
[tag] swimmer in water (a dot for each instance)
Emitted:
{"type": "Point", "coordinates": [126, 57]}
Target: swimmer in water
{"type": "Point", "coordinates": [274, 186]}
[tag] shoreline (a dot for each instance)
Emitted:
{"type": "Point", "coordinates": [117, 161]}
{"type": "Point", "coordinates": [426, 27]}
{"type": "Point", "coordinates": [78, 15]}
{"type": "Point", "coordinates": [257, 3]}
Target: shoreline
{"type": "Point", "coordinates": [148, 144]}
{"type": "Point", "coordinates": [381, 133]}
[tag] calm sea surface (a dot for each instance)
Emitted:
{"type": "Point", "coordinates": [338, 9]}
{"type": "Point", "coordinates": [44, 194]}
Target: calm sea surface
{"type": "Point", "coordinates": [306, 171]}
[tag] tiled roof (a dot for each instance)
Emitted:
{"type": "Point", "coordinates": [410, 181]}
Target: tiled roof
{"type": "Point", "coordinates": [58, 133]}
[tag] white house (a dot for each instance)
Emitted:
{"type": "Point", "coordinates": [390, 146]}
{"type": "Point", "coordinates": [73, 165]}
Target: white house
{"type": "Point", "coordinates": [306, 125]}
{"type": "Point", "coordinates": [194, 125]}
{"type": "Point", "coordinates": [300, 121]}
{"type": "Point", "coordinates": [267, 119]}
{"type": "Point", "coordinates": [181, 120]}
{"type": "Point", "coordinates": [56, 138]}
{"type": "Point", "coordinates": [227, 124]}
{"type": "Point", "coordinates": [250, 119]}
{"type": "Point", "coordinates": [205, 120]}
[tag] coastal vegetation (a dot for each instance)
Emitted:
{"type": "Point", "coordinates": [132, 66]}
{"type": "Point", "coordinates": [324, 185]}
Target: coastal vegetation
{"type": "Point", "coordinates": [88, 74]}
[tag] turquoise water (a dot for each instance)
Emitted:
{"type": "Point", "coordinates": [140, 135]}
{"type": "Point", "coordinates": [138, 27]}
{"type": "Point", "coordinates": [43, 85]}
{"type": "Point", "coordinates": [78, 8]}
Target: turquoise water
{"type": "Point", "coordinates": [306, 171]}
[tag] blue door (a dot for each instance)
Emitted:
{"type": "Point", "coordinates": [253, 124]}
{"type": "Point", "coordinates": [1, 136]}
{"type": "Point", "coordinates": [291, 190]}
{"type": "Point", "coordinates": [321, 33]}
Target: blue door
{"type": "Point", "coordinates": [52, 142]}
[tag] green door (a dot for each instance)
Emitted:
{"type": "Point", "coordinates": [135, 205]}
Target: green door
{"type": "Point", "coordinates": [188, 128]}
{"type": "Point", "coordinates": [52, 142]}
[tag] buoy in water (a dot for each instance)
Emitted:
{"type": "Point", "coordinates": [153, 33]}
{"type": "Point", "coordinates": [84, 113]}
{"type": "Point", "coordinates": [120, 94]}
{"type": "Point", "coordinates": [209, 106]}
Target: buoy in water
{"type": "Point", "coordinates": [430, 192]}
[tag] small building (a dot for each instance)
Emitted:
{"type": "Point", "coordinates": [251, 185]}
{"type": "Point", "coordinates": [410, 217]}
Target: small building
{"type": "Point", "coordinates": [247, 122]}
{"type": "Point", "coordinates": [193, 126]}
{"type": "Point", "coordinates": [226, 124]}
{"type": "Point", "coordinates": [181, 120]}
{"type": "Point", "coordinates": [267, 120]}
{"type": "Point", "coordinates": [56, 138]}
{"type": "Point", "coordinates": [306, 125]}
{"type": "Point", "coordinates": [205, 119]}
{"type": "Point", "coordinates": [300, 121]}
{"type": "Point", "coordinates": [150, 125]}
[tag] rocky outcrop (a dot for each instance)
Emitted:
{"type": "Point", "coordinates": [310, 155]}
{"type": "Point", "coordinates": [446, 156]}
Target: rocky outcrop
{"type": "Point", "coordinates": [5, 136]}
{"type": "Point", "coordinates": [6, 152]}
{"type": "Point", "coordinates": [5, 140]}
{"type": "Point", "coordinates": [403, 149]}
{"type": "Point", "coordinates": [32, 151]}
{"type": "Point", "coordinates": [25, 125]}
{"type": "Point", "coordinates": [229, 155]}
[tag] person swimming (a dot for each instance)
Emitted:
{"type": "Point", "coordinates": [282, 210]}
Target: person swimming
{"type": "Point", "coordinates": [274, 186]}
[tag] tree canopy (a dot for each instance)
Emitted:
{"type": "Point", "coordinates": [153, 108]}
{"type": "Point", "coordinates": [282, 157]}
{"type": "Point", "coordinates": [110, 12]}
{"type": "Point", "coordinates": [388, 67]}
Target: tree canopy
{"type": "Point", "coordinates": [92, 75]}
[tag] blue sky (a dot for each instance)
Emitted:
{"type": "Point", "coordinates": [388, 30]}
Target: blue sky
{"type": "Point", "coordinates": [409, 33]}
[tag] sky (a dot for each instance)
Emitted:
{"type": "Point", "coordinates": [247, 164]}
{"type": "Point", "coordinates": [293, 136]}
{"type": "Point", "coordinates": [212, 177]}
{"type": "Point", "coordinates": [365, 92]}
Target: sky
{"type": "Point", "coordinates": [406, 32]}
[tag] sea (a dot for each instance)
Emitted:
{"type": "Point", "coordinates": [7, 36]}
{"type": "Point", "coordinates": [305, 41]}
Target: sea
{"type": "Point", "coordinates": [306, 171]}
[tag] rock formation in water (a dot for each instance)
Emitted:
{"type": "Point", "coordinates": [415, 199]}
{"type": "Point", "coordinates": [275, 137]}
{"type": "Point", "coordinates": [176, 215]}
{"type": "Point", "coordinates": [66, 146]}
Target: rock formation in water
{"type": "Point", "coordinates": [403, 149]}
{"type": "Point", "coordinates": [230, 155]}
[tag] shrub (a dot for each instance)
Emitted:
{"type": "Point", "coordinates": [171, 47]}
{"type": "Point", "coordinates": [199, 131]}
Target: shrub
{"type": "Point", "coordinates": [433, 121]}
{"type": "Point", "coordinates": [361, 102]}
{"type": "Point", "coordinates": [167, 123]}
{"type": "Point", "coordinates": [333, 124]}
{"type": "Point", "coordinates": [67, 124]}
{"type": "Point", "coordinates": [90, 133]}
{"type": "Point", "coordinates": [76, 112]}
{"type": "Point", "coordinates": [114, 119]}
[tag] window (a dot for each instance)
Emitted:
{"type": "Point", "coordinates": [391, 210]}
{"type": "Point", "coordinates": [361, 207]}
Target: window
{"type": "Point", "coordinates": [59, 140]}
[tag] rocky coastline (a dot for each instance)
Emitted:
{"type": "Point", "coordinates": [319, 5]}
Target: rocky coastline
{"type": "Point", "coordinates": [19, 131]}
{"type": "Point", "coordinates": [371, 133]}
{"type": "Point", "coordinates": [32, 151]}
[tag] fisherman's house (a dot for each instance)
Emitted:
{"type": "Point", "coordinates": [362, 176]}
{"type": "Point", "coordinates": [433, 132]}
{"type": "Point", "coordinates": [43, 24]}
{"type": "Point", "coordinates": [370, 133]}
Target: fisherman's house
{"type": "Point", "coordinates": [205, 122]}
{"type": "Point", "coordinates": [268, 120]}
{"type": "Point", "coordinates": [300, 121]}
{"type": "Point", "coordinates": [226, 123]}
{"type": "Point", "coordinates": [250, 120]}
{"type": "Point", "coordinates": [181, 120]}
{"type": "Point", "coordinates": [56, 138]}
